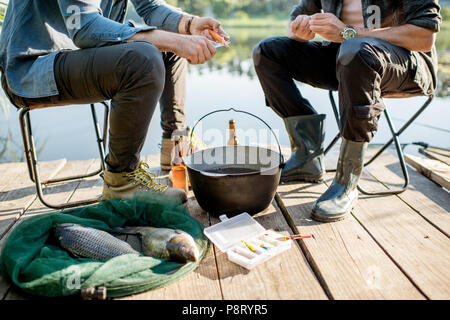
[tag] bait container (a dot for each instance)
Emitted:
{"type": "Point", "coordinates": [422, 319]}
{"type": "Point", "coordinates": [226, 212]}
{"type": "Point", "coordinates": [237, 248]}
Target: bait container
{"type": "Point", "coordinates": [229, 235]}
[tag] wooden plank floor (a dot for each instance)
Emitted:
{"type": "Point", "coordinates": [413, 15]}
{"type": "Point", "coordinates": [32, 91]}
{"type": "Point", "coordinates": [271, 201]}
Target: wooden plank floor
{"type": "Point", "coordinates": [391, 247]}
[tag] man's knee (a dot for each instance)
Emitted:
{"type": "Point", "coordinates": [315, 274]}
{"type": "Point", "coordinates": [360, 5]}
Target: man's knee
{"type": "Point", "coordinates": [142, 60]}
{"type": "Point", "coordinates": [271, 49]}
{"type": "Point", "coordinates": [258, 51]}
{"type": "Point", "coordinates": [361, 49]}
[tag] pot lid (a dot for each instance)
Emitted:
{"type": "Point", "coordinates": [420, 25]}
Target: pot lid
{"type": "Point", "coordinates": [231, 232]}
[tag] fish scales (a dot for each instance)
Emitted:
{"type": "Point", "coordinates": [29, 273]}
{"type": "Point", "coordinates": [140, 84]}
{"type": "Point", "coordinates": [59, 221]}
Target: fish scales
{"type": "Point", "coordinates": [165, 243]}
{"type": "Point", "coordinates": [91, 243]}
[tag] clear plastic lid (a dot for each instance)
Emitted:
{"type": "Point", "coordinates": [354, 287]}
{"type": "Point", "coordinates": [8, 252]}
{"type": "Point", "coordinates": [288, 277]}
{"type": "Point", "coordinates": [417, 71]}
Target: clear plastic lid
{"type": "Point", "coordinates": [232, 231]}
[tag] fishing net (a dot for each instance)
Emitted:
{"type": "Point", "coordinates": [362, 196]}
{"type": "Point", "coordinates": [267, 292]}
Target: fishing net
{"type": "Point", "coordinates": [40, 267]}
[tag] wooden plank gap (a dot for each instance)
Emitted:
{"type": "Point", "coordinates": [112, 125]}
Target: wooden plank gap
{"type": "Point", "coordinates": [18, 217]}
{"type": "Point", "coordinates": [313, 265]}
{"type": "Point", "coordinates": [219, 277]}
{"type": "Point", "coordinates": [387, 253]}
{"type": "Point", "coordinates": [93, 162]}
{"type": "Point", "coordinates": [391, 257]}
{"type": "Point", "coordinates": [410, 205]}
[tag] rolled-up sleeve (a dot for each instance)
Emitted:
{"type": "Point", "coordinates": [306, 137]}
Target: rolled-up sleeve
{"type": "Point", "coordinates": [159, 14]}
{"type": "Point", "coordinates": [88, 28]}
{"type": "Point", "coordinates": [423, 13]}
{"type": "Point", "coordinates": [306, 7]}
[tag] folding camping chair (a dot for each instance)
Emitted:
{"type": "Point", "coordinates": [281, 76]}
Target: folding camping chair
{"type": "Point", "coordinates": [32, 163]}
{"type": "Point", "coordinates": [395, 139]}
{"type": "Point", "coordinates": [115, 11]}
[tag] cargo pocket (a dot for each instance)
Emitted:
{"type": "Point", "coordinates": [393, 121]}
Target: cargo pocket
{"type": "Point", "coordinates": [419, 79]}
{"type": "Point", "coordinates": [368, 111]}
{"type": "Point", "coordinates": [367, 115]}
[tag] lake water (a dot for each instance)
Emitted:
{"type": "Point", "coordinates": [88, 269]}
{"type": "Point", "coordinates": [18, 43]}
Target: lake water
{"type": "Point", "coordinates": [227, 81]}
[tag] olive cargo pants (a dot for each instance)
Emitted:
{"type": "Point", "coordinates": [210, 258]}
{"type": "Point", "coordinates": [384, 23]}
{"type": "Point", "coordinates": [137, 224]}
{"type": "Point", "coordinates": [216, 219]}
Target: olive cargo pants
{"type": "Point", "coordinates": [134, 76]}
{"type": "Point", "coordinates": [363, 70]}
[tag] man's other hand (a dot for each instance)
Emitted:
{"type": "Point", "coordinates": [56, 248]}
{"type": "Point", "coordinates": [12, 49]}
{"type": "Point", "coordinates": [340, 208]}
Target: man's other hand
{"type": "Point", "coordinates": [196, 49]}
{"type": "Point", "coordinates": [200, 26]}
{"type": "Point", "coordinates": [328, 26]}
{"type": "Point", "coordinates": [299, 29]}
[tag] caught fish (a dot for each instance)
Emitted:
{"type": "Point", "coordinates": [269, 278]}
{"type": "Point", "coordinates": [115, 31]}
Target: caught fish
{"type": "Point", "coordinates": [90, 243]}
{"type": "Point", "coordinates": [165, 243]}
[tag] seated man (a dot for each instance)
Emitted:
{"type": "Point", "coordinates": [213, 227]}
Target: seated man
{"type": "Point", "coordinates": [133, 67]}
{"type": "Point", "coordinates": [374, 49]}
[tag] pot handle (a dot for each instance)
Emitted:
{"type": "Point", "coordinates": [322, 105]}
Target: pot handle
{"type": "Point", "coordinates": [282, 163]}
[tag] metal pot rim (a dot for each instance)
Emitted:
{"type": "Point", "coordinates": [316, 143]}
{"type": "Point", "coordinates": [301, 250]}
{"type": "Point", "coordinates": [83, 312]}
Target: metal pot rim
{"type": "Point", "coordinates": [202, 172]}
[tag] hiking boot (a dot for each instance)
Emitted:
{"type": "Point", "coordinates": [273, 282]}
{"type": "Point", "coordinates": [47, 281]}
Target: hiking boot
{"type": "Point", "coordinates": [306, 134]}
{"type": "Point", "coordinates": [123, 185]}
{"type": "Point", "coordinates": [167, 146]}
{"type": "Point", "coordinates": [342, 195]}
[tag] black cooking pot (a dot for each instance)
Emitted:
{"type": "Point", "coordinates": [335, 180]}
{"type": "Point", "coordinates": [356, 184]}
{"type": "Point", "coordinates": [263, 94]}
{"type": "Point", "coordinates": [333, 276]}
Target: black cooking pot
{"type": "Point", "coordinates": [234, 179]}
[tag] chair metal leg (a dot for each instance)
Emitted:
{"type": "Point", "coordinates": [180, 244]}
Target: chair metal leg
{"type": "Point", "coordinates": [335, 109]}
{"type": "Point", "coordinates": [24, 118]}
{"type": "Point", "coordinates": [331, 145]}
{"type": "Point", "coordinates": [399, 132]}
{"type": "Point", "coordinates": [338, 136]}
{"type": "Point", "coordinates": [395, 139]}
{"type": "Point", "coordinates": [100, 140]}
{"type": "Point", "coordinates": [31, 158]}
{"type": "Point", "coordinates": [399, 150]}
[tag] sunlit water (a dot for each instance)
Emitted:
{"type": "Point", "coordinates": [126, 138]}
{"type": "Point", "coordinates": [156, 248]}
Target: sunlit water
{"type": "Point", "coordinates": [228, 81]}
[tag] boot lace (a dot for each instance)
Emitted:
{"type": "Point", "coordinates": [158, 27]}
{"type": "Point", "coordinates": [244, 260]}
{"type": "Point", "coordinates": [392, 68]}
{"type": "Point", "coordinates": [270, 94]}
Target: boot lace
{"type": "Point", "coordinates": [146, 178]}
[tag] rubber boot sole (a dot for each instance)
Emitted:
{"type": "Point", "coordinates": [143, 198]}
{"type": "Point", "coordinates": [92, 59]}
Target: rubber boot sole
{"type": "Point", "coordinates": [334, 219]}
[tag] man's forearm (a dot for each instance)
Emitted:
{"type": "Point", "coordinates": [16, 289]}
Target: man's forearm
{"type": "Point", "coordinates": [163, 40]}
{"type": "Point", "coordinates": [407, 36]}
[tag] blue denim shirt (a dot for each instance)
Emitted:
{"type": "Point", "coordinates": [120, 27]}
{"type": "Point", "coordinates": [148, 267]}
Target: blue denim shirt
{"type": "Point", "coordinates": [35, 31]}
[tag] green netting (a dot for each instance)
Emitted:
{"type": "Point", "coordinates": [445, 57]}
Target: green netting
{"type": "Point", "coordinates": [41, 268]}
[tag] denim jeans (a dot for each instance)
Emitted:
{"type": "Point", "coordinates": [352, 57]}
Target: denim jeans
{"type": "Point", "coordinates": [135, 76]}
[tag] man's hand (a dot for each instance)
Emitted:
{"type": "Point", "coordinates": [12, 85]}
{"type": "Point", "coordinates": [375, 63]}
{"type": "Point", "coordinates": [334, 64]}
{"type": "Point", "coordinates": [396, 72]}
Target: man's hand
{"type": "Point", "coordinates": [196, 49]}
{"type": "Point", "coordinates": [328, 26]}
{"type": "Point", "coordinates": [299, 29]}
{"type": "Point", "coordinates": [200, 27]}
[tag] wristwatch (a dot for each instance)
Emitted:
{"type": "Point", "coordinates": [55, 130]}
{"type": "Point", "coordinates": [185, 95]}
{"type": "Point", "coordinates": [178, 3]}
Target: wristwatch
{"type": "Point", "coordinates": [348, 33]}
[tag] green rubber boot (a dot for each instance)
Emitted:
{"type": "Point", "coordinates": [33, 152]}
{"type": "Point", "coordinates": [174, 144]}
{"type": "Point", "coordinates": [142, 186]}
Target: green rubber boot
{"type": "Point", "coordinates": [342, 195]}
{"type": "Point", "coordinates": [306, 134]}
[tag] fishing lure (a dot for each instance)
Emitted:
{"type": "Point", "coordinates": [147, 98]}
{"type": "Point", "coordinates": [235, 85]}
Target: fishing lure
{"type": "Point", "coordinates": [249, 245]}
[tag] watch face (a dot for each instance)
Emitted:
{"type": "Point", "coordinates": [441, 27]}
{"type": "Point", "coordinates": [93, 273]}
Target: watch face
{"type": "Point", "coordinates": [348, 33]}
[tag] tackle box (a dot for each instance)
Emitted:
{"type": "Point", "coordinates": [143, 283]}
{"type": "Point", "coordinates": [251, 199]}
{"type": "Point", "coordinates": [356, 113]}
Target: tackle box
{"type": "Point", "coordinates": [236, 235]}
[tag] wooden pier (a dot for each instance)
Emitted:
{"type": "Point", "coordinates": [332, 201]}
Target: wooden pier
{"type": "Point", "coordinates": [390, 247]}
